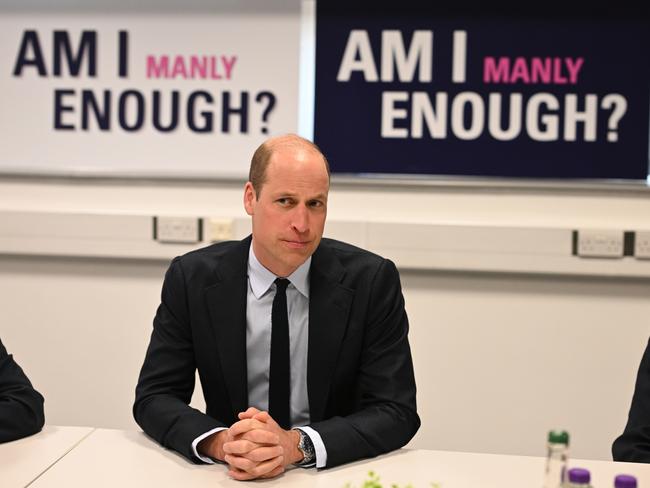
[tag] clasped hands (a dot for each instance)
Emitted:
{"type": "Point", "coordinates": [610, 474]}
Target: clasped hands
{"type": "Point", "coordinates": [254, 447]}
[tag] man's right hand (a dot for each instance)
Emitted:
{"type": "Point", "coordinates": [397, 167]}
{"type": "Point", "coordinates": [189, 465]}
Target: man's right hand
{"type": "Point", "coordinates": [212, 446]}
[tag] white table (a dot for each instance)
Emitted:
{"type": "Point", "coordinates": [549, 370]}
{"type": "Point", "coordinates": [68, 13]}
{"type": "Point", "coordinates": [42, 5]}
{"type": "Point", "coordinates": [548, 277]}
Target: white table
{"type": "Point", "coordinates": [111, 458]}
{"type": "Point", "coordinates": [22, 461]}
{"type": "Point", "coordinates": [118, 458]}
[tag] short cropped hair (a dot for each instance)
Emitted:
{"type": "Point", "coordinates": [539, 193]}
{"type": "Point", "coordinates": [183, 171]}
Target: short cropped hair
{"type": "Point", "coordinates": [262, 157]}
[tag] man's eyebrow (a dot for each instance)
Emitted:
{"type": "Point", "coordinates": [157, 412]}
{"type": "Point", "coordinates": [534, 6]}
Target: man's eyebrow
{"type": "Point", "coordinates": [285, 194]}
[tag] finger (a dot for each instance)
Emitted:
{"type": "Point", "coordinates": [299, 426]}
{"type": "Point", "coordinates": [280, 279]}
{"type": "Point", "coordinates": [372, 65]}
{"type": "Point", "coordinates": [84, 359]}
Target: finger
{"type": "Point", "coordinates": [262, 454]}
{"type": "Point", "coordinates": [276, 472]}
{"type": "Point", "coordinates": [262, 416]}
{"type": "Point", "coordinates": [245, 425]}
{"type": "Point", "coordinates": [261, 437]}
{"type": "Point", "coordinates": [244, 476]}
{"type": "Point", "coordinates": [239, 462]}
{"type": "Point", "coordinates": [253, 468]}
{"type": "Point", "coordinates": [244, 448]}
{"type": "Point", "coordinates": [240, 475]}
{"type": "Point", "coordinates": [241, 446]}
{"type": "Point", "coordinates": [249, 413]}
{"type": "Point", "coordinates": [267, 467]}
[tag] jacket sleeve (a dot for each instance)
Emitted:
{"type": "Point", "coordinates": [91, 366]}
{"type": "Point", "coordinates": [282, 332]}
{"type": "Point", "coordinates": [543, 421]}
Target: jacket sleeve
{"type": "Point", "coordinates": [21, 406]}
{"type": "Point", "coordinates": [386, 416]}
{"type": "Point", "coordinates": [166, 381]}
{"type": "Point", "coordinates": [634, 444]}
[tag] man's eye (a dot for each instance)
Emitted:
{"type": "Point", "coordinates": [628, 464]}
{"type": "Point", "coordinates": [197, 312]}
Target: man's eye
{"type": "Point", "coordinates": [316, 203]}
{"type": "Point", "coordinates": [284, 201]}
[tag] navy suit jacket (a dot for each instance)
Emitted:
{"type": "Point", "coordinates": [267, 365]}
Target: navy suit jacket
{"type": "Point", "coordinates": [21, 407]}
{"type": "Point", "coordinates": [360, 378]}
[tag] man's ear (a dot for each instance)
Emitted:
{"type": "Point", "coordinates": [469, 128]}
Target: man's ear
{"type": "Point", "coordinates": [249, 198]}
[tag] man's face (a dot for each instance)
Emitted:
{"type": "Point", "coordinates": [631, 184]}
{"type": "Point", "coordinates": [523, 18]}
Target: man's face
{"type": "Point", "coordinates": [289, 213]}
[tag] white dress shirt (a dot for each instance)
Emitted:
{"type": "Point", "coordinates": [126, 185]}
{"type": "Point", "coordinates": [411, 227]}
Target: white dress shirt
{"type": "Point", "coordinates": [259, 302]}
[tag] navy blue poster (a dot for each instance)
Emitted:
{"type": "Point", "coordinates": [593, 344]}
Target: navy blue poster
{"type": "Point", "coordinates": [402, 92]}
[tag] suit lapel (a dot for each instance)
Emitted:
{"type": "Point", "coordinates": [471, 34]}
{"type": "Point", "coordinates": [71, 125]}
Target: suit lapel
{"type": "Point", "coordinates": [329, 307]}
{"type": "Point", "coordinates": [226, 301]}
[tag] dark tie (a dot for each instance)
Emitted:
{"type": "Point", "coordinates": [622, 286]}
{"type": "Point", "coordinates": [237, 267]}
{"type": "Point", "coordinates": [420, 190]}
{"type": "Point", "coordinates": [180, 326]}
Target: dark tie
{"type": "Point", "coordinates": [279, 381]}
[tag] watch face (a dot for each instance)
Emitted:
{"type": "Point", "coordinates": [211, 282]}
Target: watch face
{"type": "Point", "coordinates": [306, 447]}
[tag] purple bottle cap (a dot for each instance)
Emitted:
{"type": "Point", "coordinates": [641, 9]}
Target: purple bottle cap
{"type": "Point", "coordinates": [579, 476]}
{"type": "Point", "coordinates": [625, 481]}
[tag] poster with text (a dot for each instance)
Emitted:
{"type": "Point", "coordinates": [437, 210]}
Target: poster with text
{"type": "Point", "coordinates": [420, 93]}
{"type": "Point", "coordinates": [170, 95]}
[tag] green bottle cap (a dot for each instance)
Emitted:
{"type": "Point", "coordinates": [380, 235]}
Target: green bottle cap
{"type": "Point", "coordinates": [558, 437]}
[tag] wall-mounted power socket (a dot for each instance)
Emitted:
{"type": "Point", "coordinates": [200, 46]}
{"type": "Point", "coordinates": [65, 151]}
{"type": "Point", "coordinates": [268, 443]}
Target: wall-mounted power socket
{"type": "Point", "coordinates": [642, 244]}
{"type": "Point", "coordinates": [219, 229]}
{"type": "Point", "coordinates": [600, 243]}
{"type": "Point", "coordinates": [178, 230]}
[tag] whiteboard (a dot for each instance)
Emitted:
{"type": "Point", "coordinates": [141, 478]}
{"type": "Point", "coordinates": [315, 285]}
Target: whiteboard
{"type": "Point", "coordinates": [138, 94]}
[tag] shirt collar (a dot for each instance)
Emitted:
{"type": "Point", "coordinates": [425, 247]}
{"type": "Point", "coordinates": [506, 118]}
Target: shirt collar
{"type": "Point", "coordinates": [261, 278]}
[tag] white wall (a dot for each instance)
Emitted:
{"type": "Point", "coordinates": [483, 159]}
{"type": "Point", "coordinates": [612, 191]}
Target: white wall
{"type": "Point", "coordinates": [500, 357]}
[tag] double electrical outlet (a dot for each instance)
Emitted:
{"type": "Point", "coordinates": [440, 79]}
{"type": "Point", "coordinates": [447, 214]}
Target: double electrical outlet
{"type": "Point", "coordinates": [612, 243]}
{"type": "Point", "coordinates": [191, 230]}
{"type": "Point", "coordinates": [642, 244]}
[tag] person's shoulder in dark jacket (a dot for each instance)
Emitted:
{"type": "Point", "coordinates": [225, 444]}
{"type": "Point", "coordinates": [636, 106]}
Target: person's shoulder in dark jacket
{"type": "Point", "coordinates": [633, 445]}
{"type": "Point", "coordinates": [21, 406]}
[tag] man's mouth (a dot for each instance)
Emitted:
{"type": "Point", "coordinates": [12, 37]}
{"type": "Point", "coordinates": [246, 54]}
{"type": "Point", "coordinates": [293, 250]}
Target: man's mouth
{"type": "Point", "coordinates": [296, 244]}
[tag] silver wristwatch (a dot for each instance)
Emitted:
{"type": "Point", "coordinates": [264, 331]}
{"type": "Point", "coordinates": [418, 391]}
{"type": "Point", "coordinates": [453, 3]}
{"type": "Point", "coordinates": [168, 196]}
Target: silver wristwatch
{"type": "Point", "coordinates": [307, 448]}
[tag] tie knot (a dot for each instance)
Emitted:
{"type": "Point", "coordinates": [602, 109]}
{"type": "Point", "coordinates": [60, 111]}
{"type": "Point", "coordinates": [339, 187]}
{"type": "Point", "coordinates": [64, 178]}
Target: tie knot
{"type": "Point", "coordinates": [281, 284]}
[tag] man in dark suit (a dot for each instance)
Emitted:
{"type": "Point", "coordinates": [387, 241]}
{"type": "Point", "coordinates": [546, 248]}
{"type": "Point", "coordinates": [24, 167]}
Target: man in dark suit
{"type": "Point", "coordinates": [346, 382]}
{"type": "Point", "coordinates": [21, 407]}
{"type": "Point", "coordinates": [633, 445]}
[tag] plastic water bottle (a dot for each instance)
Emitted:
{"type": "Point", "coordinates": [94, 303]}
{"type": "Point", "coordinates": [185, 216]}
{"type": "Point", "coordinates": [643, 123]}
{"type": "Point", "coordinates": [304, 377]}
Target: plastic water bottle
{"type": "Point", "coordinates": [625, 481]}
{"type": "Point", "coordinates": [579, 478]}
{"type": "Point", "coordinates": [557, 456]}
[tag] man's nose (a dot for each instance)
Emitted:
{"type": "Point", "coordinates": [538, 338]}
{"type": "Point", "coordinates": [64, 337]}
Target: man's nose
{"type": "Point", "coordinates": [300, 219]}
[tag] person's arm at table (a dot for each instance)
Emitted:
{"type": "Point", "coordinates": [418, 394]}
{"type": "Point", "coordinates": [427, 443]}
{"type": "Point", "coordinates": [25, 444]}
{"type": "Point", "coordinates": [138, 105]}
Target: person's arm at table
{"type": "Point", "coordinates": [166, 381]}
{"type": "Point", "coordinates": [385, 416]}
{"type": "Point", "coordinates": [21, 406]}
{"type": "Point", "coordinates": [633, 445]}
